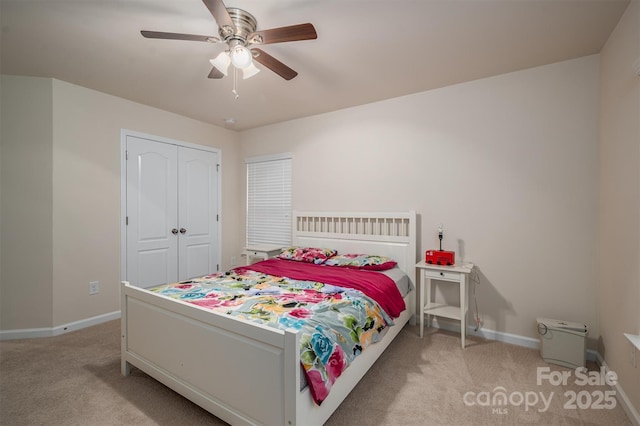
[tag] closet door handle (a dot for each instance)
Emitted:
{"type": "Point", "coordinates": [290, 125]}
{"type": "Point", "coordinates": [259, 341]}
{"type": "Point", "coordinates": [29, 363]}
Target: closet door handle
{"type": "Point", "coordinates": [174, 231]}
{"type": "Point", "coordinates": [182, 230]}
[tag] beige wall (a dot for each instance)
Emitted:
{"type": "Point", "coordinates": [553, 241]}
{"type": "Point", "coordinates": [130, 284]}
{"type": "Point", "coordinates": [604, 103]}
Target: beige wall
{"type": "Point", "coordinates": [26, 203]}
{"type": "Point", "coordinates": [511, 165]}
{"type": "Point", "coordinates": [83, 184]}
{"type": "Point", "coordinates": [508, 164]}
{"type": "Point", "coordinates": [619, 204]}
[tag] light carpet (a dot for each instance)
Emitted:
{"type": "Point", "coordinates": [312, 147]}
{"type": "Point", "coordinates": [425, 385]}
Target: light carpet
{"type": "Point", "coordinates": [74, 379]}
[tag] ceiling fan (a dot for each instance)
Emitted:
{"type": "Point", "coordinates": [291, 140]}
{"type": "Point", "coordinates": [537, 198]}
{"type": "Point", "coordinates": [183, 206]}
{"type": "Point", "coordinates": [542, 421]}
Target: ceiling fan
{"type": "Point", "coordinates": [237, 28]}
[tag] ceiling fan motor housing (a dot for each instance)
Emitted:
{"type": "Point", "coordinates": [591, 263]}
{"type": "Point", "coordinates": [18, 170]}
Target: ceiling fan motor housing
{"type": "Point", "coordinates": [244, 22]}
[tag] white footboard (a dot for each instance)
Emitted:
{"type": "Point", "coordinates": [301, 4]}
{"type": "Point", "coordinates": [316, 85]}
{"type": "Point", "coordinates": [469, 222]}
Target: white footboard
{"type": "Point", "coordinates": [240, 372]}
{"type": "Point", "coordinates": [244, 373]}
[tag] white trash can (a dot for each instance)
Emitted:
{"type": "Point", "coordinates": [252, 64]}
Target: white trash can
{"type": "Point", "coordinates": [562, 342]}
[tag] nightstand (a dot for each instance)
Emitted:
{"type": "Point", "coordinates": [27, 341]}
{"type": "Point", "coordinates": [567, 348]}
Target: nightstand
{"type": "Point", "coordinates": [457, 273]}
{"type": "Point", "coordinates": [260, 252]}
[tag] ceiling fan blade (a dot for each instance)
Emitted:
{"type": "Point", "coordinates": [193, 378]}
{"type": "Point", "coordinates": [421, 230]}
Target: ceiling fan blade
{"type": "Point", "coordinates": [215, 73]}
{"type": "Point", "coordinates": [220, 14]}
{"type": "Point", "coordinates": [283, 34]}
{"type": "Point", "coordinates": [274, 65]}
{"type": "Point", "coordinates": [178, 36]}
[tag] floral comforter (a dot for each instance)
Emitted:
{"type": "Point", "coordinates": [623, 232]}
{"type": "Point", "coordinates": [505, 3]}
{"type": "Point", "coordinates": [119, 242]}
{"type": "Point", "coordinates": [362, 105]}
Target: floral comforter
{"type": "Point", "coordinates": [336, 322]}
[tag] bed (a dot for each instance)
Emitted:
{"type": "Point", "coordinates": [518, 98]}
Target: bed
{"type": "Point", "coordinates": [258, 375]}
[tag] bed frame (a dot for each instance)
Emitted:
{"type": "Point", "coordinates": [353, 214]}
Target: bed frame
{"type": "Point", "coordinates": [247, 373]}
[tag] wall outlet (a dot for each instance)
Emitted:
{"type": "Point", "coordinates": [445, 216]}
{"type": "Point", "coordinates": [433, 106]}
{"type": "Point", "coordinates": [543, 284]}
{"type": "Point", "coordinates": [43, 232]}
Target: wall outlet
{"type": "Point", "coordinates": [233, 261]}
{"type": "Point", "coordinates": [94, 287]}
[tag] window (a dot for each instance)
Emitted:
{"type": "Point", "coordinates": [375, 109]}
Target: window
{"type": "Point", "coordinates": [269, 200]}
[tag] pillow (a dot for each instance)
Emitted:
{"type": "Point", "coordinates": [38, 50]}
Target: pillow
{"type": "Point", "coordinates": [362, 261]}
{"type": "Point", "coordinates": [307, 254]}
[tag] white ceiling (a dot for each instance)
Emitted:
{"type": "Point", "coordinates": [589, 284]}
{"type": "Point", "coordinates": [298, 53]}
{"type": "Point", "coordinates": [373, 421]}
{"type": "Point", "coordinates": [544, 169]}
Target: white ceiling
{"type": "Point", "coordinates": [366, 50]}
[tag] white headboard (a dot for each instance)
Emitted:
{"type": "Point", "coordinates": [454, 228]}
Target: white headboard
{"type": "Point", "coordinates": [391, 234]}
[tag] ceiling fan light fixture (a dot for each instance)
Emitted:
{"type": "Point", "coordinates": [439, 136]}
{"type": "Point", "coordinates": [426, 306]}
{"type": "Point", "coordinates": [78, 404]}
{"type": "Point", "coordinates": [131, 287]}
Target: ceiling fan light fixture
{"type": "Point", "coordinates": [241, 57]}
{"type": "Point", "coordinates": [221, 62]}
{"type": "Point", "coordinates": [237, 29]}
{"type": "Point", "coordinates": [249, 71]}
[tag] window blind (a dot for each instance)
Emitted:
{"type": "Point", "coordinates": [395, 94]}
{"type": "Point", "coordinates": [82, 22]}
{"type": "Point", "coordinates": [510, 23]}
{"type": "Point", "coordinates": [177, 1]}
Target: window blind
{"type": "Point", "coordinates": [269, 200]}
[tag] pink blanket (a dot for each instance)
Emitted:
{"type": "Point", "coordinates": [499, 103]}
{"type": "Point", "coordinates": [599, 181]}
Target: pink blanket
{"type": "Point", "coordinates": [377, 286]}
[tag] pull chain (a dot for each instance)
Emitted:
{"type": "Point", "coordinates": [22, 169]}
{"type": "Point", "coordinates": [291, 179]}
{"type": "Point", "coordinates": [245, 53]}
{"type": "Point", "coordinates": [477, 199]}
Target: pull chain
{"type": "Point", "coordinates": [235, 83]}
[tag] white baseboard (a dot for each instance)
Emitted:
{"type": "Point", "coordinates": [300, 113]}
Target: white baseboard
{"type": "Point", "coordinates": [514, 339]}
{"type": "Point", "coordinates": [499, 336]}
{"type": "Point", "coordinates": [627, 406]}
{"type": "Point", "coordinates": [532, 343]}
{"type": "Point", "coordinates": [30, 333]}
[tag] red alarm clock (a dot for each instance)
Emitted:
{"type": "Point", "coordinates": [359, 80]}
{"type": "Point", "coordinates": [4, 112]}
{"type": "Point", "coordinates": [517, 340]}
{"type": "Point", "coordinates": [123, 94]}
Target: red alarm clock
{"type": "Point", "coordinates": [440, 257]}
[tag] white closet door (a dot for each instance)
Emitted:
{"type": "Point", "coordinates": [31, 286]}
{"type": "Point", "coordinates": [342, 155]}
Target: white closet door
{"type": "Point", "coordinates": [152, 212]}
{"type": "Point", "coordinates": [197, 212]}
